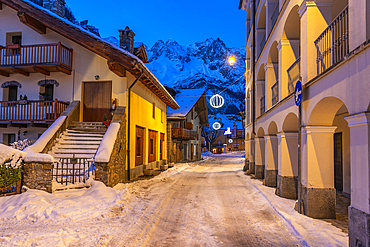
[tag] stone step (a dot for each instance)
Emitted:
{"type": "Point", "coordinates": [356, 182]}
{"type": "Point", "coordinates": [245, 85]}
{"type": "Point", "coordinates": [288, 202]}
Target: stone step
{"type": "Point", "coordinates": [79, 146]}
{"type": "Point", "coordinates": [70, 131]}
{"type": "Point", "coordinates": [89, 130]}
{"type": "Point", "coordinates": [83, 134]}
{"type": "Point", "coordinates": [84, 156]}
{"type": "Point", "coordinates": [71, 142]}
{"type": "Point", "coordinates": [74, 151]}
{"type": "Point", "coordinates": [67, 138]}
{"type": "Point", "coordinates": [87, 123]}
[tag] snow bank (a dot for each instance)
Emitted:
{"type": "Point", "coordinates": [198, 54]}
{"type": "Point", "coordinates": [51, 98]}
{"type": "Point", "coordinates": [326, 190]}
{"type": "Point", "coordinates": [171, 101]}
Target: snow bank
{"type": "Point", "coordinates": [8, 152]}
{"type": "Point", "coordinates": [106, 146]}
{"type": "Point", "coordinates": [69, 205]}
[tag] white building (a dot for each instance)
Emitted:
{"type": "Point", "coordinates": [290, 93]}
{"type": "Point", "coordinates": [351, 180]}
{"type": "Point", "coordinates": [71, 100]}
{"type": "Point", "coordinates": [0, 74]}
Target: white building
{"type": "Point", "coordinates": [325, 44]}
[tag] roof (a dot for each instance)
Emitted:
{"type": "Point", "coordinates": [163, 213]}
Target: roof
{"type": "Point", "coordinates": [117, 58]}
{"type": "Point", "coordinates": [186, 99]}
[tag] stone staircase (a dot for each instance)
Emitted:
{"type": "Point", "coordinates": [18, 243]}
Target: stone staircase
{"type": "Point", "coordinates": [80, 140]}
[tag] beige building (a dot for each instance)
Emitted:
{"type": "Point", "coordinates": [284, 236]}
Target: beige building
{"type": "Point", "coordinates": [325, 44]}
{"type": "Point", "coordinates": [186, 123]}
{"type": "Point", "coordinates": [58, 65]}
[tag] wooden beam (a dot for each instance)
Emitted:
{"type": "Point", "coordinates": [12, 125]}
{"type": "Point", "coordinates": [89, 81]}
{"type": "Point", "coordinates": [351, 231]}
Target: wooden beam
{"type": "Point", "coordinates": [32, 23]}
{"type": "Point", "coordinates": [64, 70]}
{"type": "Point", "coordinates": [3, 73]}
{"type": "Point", "coordinates": [1, 5]}
{"type": "Point", "coordinates": [117, 68]}
{"type": "Point", "coordinates": [19, 71]}
{"type": "Point", "coordinates": [41, 70]}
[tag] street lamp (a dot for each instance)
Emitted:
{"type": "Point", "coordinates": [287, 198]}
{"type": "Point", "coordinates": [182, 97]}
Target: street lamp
{"type": "Point", "coordinates": [232, 61]}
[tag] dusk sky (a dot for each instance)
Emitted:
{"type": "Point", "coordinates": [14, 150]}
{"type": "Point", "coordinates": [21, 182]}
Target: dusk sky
{"type": "Point", "coordinates": [186, 22]}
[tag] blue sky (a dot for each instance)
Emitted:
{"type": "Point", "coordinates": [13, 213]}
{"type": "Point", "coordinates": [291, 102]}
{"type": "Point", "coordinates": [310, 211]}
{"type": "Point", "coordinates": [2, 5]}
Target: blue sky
{"type": "Point", "coordinates": [186, 22]}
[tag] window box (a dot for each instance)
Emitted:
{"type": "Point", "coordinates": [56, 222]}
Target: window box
{"type": "Point", "coordinates": [14, 46]}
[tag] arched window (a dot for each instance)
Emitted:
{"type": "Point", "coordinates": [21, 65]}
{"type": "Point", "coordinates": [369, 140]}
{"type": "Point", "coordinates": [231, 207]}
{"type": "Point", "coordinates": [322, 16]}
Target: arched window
{"type": "Point", "coordinates": [10, 90]}
{"type": "Point", "coordinates": [47, 89]}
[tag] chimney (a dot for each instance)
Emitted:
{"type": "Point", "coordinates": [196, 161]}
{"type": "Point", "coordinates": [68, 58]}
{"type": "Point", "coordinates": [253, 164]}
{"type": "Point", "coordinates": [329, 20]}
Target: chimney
{"type": "Point", "coordinates": [56, 6]}
{"type": "Point", "coordinates": [126, 39]}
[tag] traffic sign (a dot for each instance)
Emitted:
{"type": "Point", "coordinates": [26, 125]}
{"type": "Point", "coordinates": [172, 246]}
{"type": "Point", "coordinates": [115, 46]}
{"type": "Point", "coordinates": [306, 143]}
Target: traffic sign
{"type": "Point", "coordinates": [298, 93]}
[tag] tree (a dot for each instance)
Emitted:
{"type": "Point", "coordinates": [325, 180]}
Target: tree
{"type": "Point", "coordinates": [210, 135]}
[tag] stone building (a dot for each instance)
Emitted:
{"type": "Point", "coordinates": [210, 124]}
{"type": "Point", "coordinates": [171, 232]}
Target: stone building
{"type": "Point", "coordinates": [324, 44]}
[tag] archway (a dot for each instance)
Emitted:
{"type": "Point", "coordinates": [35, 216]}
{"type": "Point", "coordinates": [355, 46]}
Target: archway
{"type": "Point", "coordinates": [260, 92]}
{"type": "Point", "coordinates": [272, 75]}
{"type": "Point", "coordinates": [325, 158]}
{"type": "Point", "coordinates": [260, 154]}
{"type": "Point", "coordinates": [287, 179]}
{"type": "Point", "coordinates": [271, 155]}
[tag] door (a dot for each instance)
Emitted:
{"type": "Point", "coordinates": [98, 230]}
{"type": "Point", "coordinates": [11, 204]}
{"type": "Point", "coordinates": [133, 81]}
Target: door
{"type": "Point", "coordinates": [152, 146]}
{"type": "Point", "coordinates": [192, 152]}
{"type": "Point", "coordinates": [97, 101]}
{"type": "Point", "coordinates": [338, 162]}
{"type": "Point", "coordinates": [139, 146]}
{"type": "Point", "coordinates": [161, 148]}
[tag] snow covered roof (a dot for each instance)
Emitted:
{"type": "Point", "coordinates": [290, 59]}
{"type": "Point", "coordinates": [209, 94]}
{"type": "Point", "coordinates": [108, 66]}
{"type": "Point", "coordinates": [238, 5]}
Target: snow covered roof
{"type": "Point", "coordinates": [186, 99]}
{"type": "Point", "coordinates": [94, 43]}
{"type": "Point", "coordinates": [227, 121]}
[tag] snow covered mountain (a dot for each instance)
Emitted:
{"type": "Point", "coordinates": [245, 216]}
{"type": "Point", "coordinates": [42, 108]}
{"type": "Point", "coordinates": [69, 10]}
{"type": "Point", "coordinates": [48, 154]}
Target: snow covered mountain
{"type": "Point", "coordinates": [199, 65]}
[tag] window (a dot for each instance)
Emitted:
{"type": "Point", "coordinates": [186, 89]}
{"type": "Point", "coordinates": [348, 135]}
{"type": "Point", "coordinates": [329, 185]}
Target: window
{"type": "Point", "coordinates": [12, 95]}
{"type": "Point", "coordinates": [47, 92]}
{"type": "Point", "coordinates": [11, 40]}
{"type": "Point", "coordinates": [8, 138]}
{"type": "Point", "coordinates": [139, 146]}
{"type": "Point", "coordinates": [153, 110]}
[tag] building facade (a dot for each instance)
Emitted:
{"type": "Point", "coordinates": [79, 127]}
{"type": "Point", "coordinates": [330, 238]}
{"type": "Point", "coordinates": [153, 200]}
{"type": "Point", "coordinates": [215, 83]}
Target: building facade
{"type": "Point", "coordinates": [325, 45]}
{"type": "Point", "coordinates": [186, 123]}
{"type": "Point", "coordinates": [47, 62]}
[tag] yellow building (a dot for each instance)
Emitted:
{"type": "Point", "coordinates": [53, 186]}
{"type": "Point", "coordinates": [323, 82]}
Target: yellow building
{"type": "Point", "coordinates": [325, 45]}
{"type": "Point", "coordinates": [74, 80]}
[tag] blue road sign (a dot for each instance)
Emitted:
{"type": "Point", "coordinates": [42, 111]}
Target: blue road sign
{"type": "Point", "coordinates": [298, 93]}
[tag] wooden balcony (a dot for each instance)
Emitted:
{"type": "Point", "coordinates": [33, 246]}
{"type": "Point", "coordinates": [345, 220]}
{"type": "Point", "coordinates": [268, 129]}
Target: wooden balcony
{"type": "Point", "coordinates": [43, 58]}
{"type": "Point", "coordinates": [31, 111]}
{"type": "Point", "coordinates": [185, 134]}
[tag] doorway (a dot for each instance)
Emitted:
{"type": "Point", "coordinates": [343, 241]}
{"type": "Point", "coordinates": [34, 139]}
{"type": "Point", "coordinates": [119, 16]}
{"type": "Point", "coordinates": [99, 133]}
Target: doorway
{"type": "Point", "coordinates": [97, 101]}
{"type": "Point", "coordinates": [139, 147]}
{"type": "Point", "coordinates": [338, 162]}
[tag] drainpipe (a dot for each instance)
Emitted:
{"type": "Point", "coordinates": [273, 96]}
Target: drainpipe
{"type": "Point", "coordinates": [254, 67]}
{"type": "Point", "coordinates": [128, 124]}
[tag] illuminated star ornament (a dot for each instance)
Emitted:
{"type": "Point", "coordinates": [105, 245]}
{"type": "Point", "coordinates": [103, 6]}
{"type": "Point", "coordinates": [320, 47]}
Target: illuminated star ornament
{"type": "Point", "coordinates": [217, 101]}
{"type": "Point", "coordinates": [216, 125]}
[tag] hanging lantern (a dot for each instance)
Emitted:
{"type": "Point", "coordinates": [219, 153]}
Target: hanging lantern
{"type": "Point", "coordinates": [217, 101]}
{"type": "Point", "coordinates": [216, 126]}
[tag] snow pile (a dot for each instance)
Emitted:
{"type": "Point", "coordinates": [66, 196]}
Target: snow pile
{"type": "Point", "coordinates": [106, 146]}
{"type": "Point", "coordinates": [207, 154]}
{"type": "Point", "coordinates": [8, 153]}
{"type": "Point", "coordinates": [21, 144]}
{"type": "Point", "coordinates": [70, 205]}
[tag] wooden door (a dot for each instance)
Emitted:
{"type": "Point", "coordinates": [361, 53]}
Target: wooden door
{"type": "Point", "coordinates": [139, 146]}
{"type": "Point", "coordinates": [161, 147]}
{"type": "Point", "coordinates": [192, 152]}
{"type": "Point", "coordinates": [97, 101]}
{"type": "Point", "coordinates": [338, 162]}
{"type": "Point", "coordinates": [152, 146]}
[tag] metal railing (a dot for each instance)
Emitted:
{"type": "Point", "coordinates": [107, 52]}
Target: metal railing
{"type": "Point", "coordinates": [73, 171]}
{"type": "Point", "coordinates": [275, 15]}
{"type": "Point", "coordinates": [294, 73]}
{"type": "Point", "coordinates": [31, 110]}
{"type": "Point", "coordinates": [262, 102]}
{"type": "Point", "coordinates": [333, 44]}
{"type": "Point", "coordinates": [32, 55]}
{"type": "Point", "coordinates": [275, 92]}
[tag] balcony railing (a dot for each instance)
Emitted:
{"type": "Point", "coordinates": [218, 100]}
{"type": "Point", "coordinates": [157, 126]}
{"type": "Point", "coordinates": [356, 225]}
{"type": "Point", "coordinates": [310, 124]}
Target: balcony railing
{"type": "Point", "coordinates": [36, 55]}
{"type": "Point", "coordinates": [31, 110]}
{"type": "Point", "coordinates": [275, 15]}
{"type": "Point", "coordinates": [262, 101]}
{"type": "Point", "coordinates": [181, 133]}
{"type": "Point", "coordinates": [294, 73]}
{"type": "Point", "coordinates": [332, 45]}
{"type": "Point", "coordinates": [275, 93]}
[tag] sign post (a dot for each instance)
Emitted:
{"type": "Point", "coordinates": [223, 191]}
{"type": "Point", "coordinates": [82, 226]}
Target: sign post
{"type": "Point", "coordinates": [298, 101]}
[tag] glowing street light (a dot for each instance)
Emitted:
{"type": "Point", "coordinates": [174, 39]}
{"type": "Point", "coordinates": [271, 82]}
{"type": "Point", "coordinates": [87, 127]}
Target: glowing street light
{"type": "Point", "coordinates": [231, 61]}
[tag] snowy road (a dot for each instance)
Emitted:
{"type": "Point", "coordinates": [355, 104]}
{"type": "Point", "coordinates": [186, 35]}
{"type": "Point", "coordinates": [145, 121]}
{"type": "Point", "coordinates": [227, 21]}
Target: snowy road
{"type": "Point", "coordinates": [206, 203]}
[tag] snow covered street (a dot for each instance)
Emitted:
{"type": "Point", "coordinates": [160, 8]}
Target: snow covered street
{"type": "Point", "coordinates": [206, 203]}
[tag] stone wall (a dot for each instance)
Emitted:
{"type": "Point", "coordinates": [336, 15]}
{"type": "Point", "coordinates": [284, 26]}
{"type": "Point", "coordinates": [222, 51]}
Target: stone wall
{"type": "Point", "coordinates": [114, 171]}
{"type": "Point", "coordinates": [38, 176]}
